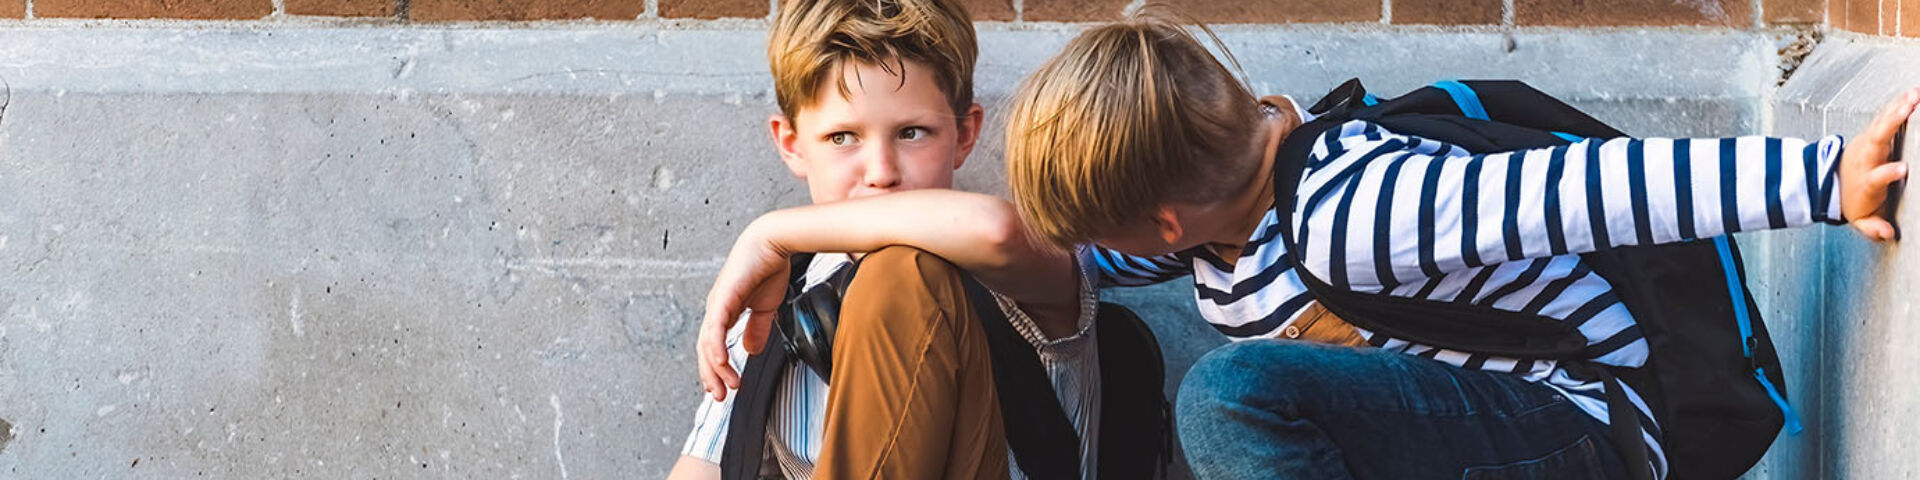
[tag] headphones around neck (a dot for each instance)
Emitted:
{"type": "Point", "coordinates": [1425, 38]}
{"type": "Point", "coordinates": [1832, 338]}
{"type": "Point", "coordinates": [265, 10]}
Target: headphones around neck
{"type": "Point", "coordinates": [811, 316]}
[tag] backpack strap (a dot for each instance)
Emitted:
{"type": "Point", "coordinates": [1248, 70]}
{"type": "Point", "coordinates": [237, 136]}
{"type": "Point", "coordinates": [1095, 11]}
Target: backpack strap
{"type": "Point", "coordinates": [1136, 424]}
{"type": "Point", "coordinates": [745, 450]}
{"type": "Point", "coordinates": [1748, 343]}
{"type": "Point", "coordinates": [1043, 440]}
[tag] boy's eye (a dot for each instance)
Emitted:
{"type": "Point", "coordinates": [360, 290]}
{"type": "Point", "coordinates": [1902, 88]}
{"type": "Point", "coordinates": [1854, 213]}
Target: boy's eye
{"type": "Point", "coordinates": [840, 138]}
{"type": "Point", "coordinates": [913, 133]}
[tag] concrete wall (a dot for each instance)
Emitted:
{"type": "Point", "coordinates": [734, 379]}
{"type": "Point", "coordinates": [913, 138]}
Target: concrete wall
{"type": "Point", "coordinates": [469, 252]}
{"type": "Point", "coordinates": [1841, 308]}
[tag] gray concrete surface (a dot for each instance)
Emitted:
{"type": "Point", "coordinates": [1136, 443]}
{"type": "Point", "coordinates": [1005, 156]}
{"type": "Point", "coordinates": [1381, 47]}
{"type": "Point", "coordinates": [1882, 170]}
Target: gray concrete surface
{"type": "Point", "coordinates": [284, 251]}
{"type": "Point", "coordinates": [1841, 308]}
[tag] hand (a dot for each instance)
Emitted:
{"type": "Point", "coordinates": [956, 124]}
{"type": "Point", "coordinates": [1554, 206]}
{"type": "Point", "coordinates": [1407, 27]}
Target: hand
{"type": "Point", "coordinates": [753, 280]}
{"type": "Point", "coordinates": [1866, 172]}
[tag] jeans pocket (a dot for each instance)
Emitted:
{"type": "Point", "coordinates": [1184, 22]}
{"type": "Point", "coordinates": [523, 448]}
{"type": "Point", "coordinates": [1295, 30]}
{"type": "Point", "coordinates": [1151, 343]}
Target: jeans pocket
{"type": "Point", "coordinates": [1581, 460]}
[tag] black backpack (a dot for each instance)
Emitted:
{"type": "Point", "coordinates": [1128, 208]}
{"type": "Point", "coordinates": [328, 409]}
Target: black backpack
{"type": "Point", "coordinates": [1711, 369]}
{"type": "Point", "coordinates": [1136, 423]}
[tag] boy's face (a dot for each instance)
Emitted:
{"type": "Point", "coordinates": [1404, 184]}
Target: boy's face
{"type": "Point", "coordinates": [888, 133]}
{"type": "Point", "coordinates": [1163, 233]}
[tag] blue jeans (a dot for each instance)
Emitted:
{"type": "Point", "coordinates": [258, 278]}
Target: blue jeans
{"type": "Point", "coordinates": [1286, 409]}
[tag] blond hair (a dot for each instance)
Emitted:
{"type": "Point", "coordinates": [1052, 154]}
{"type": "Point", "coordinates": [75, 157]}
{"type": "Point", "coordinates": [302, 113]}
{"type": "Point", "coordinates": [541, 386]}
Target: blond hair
{"type": "Point", "coordinates": [1129, 117]}
{"type": "Point", "coordinates": [814, 38]}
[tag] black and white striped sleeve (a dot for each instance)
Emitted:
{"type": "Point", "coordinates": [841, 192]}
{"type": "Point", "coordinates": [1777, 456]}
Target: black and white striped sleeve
{"type": "Point", "coordinates": [1115, 269]}
{"type": "Point", "coordinates": [1389, 209]}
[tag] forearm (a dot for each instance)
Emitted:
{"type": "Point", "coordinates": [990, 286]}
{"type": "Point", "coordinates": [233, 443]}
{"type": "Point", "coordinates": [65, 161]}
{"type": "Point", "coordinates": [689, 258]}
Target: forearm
{"type": "Point", "coordinates": [974, 231]}
{"type": "Point", "coordinates": [979, 233]}
{"type": "Point", "coordinates": [1403, 214]}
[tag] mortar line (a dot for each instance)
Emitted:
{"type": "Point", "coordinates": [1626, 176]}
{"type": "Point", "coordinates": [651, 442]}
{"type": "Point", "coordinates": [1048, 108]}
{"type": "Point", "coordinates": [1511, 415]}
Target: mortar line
{"type": "Point", "coordinates": [1386, 12]}
{"type": "Point", "coordinates": [403, 10]}
{"type": "Point", "coordinates": [650, 9]}
{"type": "Point", "coordinates": [1759, 14]}
{"type": "Point", "coordinates": [1506, 13]}
{"type": "Point", "coordinates": [279, 9]}
{"type": "Point", "coordinates": [29, 13]}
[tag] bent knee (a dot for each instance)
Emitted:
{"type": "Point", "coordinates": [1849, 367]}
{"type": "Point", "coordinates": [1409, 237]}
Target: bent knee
{"type": "Point", "coordinates": [900, 273]}
{"type": "Point", "coordinates": [897, 282]}
{"type": "Point", "coordinates": [1255, 371]}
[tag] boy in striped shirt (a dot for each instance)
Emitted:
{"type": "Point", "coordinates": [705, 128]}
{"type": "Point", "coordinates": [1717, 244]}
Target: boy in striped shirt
{"type": "Point", "coordinates": [1165, 169]}
{"type": "Point", "coordinates": [1137, 140]}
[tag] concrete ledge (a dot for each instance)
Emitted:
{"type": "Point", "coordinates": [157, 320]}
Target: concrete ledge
{"type": "Point", "coordinates": [1841, 307]}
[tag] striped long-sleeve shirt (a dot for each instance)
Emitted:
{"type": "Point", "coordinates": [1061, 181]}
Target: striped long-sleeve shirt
{"type": "Point", "coordinates": [1413, 217]}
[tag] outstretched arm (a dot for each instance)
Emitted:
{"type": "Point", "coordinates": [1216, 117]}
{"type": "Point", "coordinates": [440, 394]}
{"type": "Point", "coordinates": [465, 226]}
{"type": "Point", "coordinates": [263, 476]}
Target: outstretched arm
{"type": "Point", "coordinates": [1380, 209]}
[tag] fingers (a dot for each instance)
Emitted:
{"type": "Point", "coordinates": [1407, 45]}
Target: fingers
{"type": "Point", "coordinates": [1876, 229]}
{"type": "Point", "coordinates": [1885, 176]}
{"type": "Point", "coordinates": [759, 326]}
{"type": "Point", "coordinates": [1888, 123]}
{"type": "Point", "coordinates": [1874, 187]}
{"type": "Point", "coordinates": [712, 351]}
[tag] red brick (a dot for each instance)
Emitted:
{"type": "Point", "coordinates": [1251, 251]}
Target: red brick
{"type": "Point", "coordinates": [1794, 11]}
{"type": "Point", "coordinates": [1579, 13]}
{"type": "Point", "coordinates": [342, 8]}
{"type": "Point", "coordinates": [1448, 12]}
{"type": "Point", "coordinates": [711, 9]}
{"type": "Point", "coordinates": [1074, 10]}
{"type": "Point", "coordinates": [1858, 15]}
{"type": "Point", "coordinates": [1889, 16]}
{"type": "Point", "coordinates": [457, 10]}
{"type": "Point", "coordinates": [1280, 11]}
{"type": "Point", "coordinates": [196, 10]}
{"type": "Point", "coordinates": [13, 9]}
{"type": "Point", "coordinates": [990, 10]}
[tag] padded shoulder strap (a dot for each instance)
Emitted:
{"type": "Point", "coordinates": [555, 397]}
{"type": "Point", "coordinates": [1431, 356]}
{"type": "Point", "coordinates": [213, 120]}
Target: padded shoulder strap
{"type": "Point", "coordinates": [1043, 440]}
{"type": "Point", "coordinates": [741, 457]}
{"type": "Point", "coordinates": [1136, 424]}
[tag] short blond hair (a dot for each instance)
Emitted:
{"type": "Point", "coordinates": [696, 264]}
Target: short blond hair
{"type": "Point", "coordinates": [1129, 117]}
{"type": "Point", "coordinates": [812, 39]}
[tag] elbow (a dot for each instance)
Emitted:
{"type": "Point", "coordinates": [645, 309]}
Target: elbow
{"type": "Point", "coordinates": [1001, 232]}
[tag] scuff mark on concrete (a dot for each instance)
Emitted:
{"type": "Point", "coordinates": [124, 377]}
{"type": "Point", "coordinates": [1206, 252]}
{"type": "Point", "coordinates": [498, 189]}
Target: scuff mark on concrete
{"type": "Point", "coordinates": [293, 313]}
{"type": "Point", "coordinates": [557, 422]}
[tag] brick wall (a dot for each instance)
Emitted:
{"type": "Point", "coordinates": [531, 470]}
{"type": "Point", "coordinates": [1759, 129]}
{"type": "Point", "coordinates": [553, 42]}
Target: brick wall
{"type": "Point", "coordinates": [1880, 17]}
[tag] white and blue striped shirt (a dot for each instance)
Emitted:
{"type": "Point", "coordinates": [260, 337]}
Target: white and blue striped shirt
{"type": "Point", "coordinates": [796, 430]}
{"type": "Point", "coordinates": [1414, 217]}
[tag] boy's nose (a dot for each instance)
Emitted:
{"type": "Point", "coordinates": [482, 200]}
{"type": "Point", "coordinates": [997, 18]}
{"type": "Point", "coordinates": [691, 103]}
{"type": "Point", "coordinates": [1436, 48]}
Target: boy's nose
{"type": "Point", "coordinates": [883, 167]}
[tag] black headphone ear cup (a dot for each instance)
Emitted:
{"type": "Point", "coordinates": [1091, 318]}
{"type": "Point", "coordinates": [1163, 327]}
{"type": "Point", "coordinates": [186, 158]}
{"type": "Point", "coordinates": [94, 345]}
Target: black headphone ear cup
{"type": "Point", "coordinates": [811, 318]}
{"type": "Point", "coordinates": [818, 310]}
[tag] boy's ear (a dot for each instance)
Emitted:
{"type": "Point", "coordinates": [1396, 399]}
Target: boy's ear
{"type": "Point", "coordinates": [784, 140]}
{"type": "Point", "coordinates": [1166, 223]}
{"type": "Point", "coordinates": [969, 133]}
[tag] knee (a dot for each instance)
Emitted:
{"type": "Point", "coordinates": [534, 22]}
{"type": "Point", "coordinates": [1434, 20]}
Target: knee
{"type": "Point", "coordinates": [1268, 375]}
{"type": "Point", "coordinates": [897, 272]}
{"type": "Point", "coordinates": [896, 279]}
